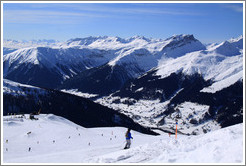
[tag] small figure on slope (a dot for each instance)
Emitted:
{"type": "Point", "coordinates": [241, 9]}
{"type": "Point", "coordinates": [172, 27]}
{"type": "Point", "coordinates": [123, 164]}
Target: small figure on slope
{"type": "Point", "coordinates": [128, 139]}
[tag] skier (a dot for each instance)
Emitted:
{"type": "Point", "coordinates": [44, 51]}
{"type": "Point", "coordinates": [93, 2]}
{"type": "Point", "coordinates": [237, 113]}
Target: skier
{"type": "Point", "coordinates": [128, 139]}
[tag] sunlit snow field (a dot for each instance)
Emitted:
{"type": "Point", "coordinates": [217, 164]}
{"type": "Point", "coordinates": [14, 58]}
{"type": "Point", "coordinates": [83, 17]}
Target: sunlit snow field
{"type": "Point", "coordinates": [53, 139]}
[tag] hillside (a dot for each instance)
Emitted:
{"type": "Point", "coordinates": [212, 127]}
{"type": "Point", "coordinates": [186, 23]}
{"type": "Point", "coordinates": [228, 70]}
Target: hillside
{"type": "Point", "coordinates": [24, 99]}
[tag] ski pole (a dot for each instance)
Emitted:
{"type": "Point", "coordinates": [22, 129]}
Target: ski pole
{"type": "Point", "coordinates": [176, 129]}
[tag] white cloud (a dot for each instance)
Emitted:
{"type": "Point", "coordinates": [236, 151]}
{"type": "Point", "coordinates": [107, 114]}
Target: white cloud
{"type": "Point", "coordinates": [234, 7]}
{"type": "Point", "coordinates": [44, 16]}
{"type": "Point", "coordinates": [142, 9]}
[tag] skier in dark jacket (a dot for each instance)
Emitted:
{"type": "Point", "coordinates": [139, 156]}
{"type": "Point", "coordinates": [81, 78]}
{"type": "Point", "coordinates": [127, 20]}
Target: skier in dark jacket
{"type": "Point", "coordinates": [128, 139]}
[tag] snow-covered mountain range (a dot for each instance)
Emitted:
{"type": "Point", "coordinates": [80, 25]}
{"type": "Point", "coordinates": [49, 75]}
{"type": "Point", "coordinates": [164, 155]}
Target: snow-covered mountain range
{"type": "Point", "coordinates": [48, 67]}
{"type": "Point", "coordinates": [130, 57]}
{"type": "Point", "coordinates": [153, 81]}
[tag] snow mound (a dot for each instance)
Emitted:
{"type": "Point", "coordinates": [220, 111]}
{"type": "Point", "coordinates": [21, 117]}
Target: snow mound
{"type": "Point", "coordinates": [226, 48]}
{"type": "Point", "coordinates": [53, 118]}
{"type": "Point", "coordinates": [211, 148]}
{"type": "Point", "coordinates": [12, 124]}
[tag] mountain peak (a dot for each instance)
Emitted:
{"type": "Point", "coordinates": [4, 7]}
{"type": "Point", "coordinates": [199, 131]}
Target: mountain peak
{"type": "Point", "coordinates": [236, 39]}
{"type": "Point", "coordinates": [182, 37]}
{"type": "Point", "coordinates": [227, 48]}
{"type": "Point", "coordinates": [237, 42]}
{"type": "Point", "coordinates": [84, 41]}
{"type": "Point", "coordinates": [179, 45]}
{"type": "Point", "coordinates": [139, 37]}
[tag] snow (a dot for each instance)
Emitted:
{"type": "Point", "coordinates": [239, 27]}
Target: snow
{"type": "Point", "coordinates": [115, 43]}
{"type": "Point", "coordinates": [219, 85]}
{"type": "Point", "coordinates": [220, 63]}
{"type": "Point", "coordinates": [192, 111]}
{"type": "Point", "coordinates": [222, 70]}
{"type": "Point", "coordinates": [147, 113]}
{"type": "Point", "coordinates": [77, 93]}
{"type": "Point", "coordinates": [143, 112]}
{"type": "Point", "coordinates": [237, 42]}
{"type": "Point", "coordinates": [226, 48]}
{"type": "Point", "coordinates": [18, 44]}
{"type": "Point", "coordinates": [105, 145]}
{"type": "Point", "coordinates": [179, 45]}
{"type": "Point", "coordinates": [25, 55]}
{"type": "Point", "coordinates": [138, 90]}
{"type": "Point", "coordinates": [151, 51]}
{"type": "Point", "coordinates": [14, 88]}
{"type": "Point", "coordinates": [66, 62]}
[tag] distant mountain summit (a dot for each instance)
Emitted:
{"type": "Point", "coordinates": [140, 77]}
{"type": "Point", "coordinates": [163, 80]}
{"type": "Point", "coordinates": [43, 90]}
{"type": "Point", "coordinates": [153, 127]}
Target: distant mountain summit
{"type": "Point", "coordinates": [179, 45]}
{"type": "Point", "coordinates": [17, 44]}
{"type": "Point", "coordinates": [237, 42]}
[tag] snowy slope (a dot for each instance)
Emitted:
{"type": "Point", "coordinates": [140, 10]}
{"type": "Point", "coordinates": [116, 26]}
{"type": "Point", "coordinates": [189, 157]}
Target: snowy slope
{"type": "Point", "coordinates": [8, 50]}
{"type": "Point", "coordinates": [49, 67]}
{"type": "Point", "coordinates": [237, 42]}
{"type": "Point", "coordinates": [15, 89]}
{"type": "Point", "coordinates": [53, 139]}
{"type": "Point", "coordinates": [222, 64]}
{"type": "Point", "coordinates": [52, 58]}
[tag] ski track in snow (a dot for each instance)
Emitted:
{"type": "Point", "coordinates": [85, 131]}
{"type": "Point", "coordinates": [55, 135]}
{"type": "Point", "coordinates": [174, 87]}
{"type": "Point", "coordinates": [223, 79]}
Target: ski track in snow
{"type": "Point", "coordinates": [221, 146]}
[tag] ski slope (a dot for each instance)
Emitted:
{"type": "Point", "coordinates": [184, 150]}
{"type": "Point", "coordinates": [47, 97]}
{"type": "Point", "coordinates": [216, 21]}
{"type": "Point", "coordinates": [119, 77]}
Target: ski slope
{"type": "Point", "coordinates": [53, 139]}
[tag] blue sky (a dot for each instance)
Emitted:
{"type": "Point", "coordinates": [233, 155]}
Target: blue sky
{"type": "Point", "coordinates": [208, 22]}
